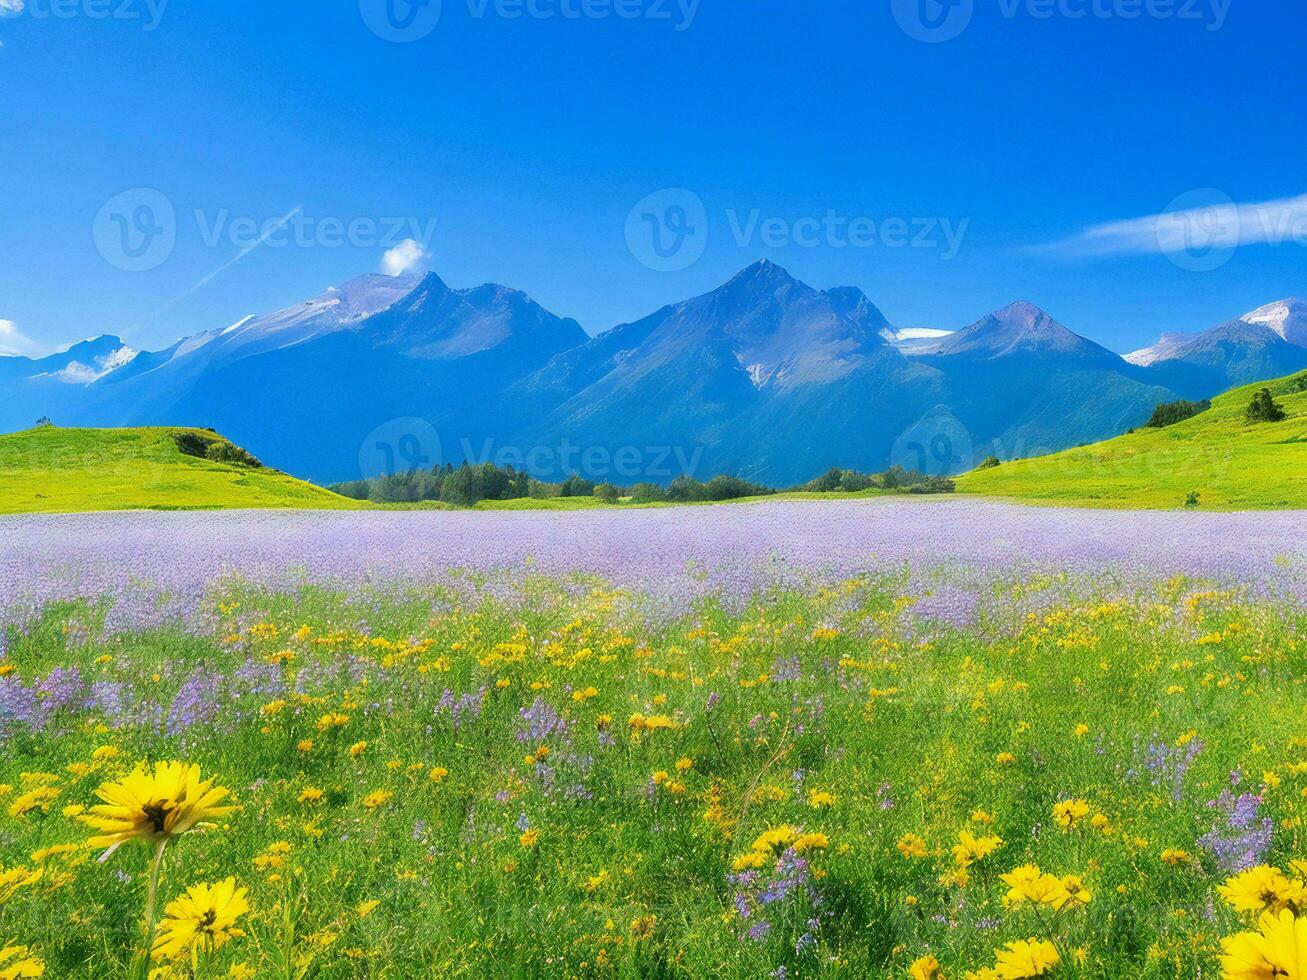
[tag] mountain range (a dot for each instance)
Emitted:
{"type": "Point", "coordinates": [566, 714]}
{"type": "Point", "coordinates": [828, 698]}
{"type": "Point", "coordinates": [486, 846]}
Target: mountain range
{"type": "Point", "coordinates": [764, 377]}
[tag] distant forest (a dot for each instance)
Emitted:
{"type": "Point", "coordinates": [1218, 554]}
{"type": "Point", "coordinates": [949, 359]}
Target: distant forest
{"type": "Point", "coordinates": [465, 485]}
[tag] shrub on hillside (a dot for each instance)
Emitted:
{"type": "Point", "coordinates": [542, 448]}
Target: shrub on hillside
{"type": "Point", "coordinates": [1264, 408]}
{"type": "Point", "coordinates": [1170, 413]}
{"type": "Point", "coordinates": [222, 451]}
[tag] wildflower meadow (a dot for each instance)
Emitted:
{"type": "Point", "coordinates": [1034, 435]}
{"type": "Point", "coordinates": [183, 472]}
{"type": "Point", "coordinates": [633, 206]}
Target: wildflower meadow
{"type": "Point", "coordinates": [946, 741]}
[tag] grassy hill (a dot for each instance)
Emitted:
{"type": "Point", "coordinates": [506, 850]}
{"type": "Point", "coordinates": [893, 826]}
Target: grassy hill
{"type": "Point", "coordinates": [61, 470]}
{"type": "Point", "coordinates": [1232, 464]}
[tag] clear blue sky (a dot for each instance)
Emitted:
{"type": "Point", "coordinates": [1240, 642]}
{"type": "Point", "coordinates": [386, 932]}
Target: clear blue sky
{"type": "Point", "coordinates": [530, 139]}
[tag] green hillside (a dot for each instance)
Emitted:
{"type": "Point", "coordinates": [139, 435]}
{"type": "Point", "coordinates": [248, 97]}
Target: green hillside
{"type": "Point", "coordinates": [1231, 463]}
{"type": "Point", "coordinates": [57, 470]}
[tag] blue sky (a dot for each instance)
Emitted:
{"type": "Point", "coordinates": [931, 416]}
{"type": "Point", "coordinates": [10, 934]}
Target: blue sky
{"type": "Point", "coordinates": [1015, 160]}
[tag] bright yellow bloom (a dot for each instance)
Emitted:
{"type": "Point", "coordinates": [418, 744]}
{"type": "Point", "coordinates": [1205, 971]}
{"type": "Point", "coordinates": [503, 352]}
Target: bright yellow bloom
{"type": "Point", "coordinates": [311, 794]}
{"type": "Point", "coordinates": [1262, 888]}
{"type": "Point", "coordinates": [203, 918]}
{"type": "Point", "coordinates": [17, 961]}
{"type": "Point", "coordinates": [753, 860]}
{"type": "Point", "coordinates": [357, 749]}
{"type": "Point", "coordinates": [377, 798]}
{"type": "Point", "coordinates": [1278, 949]}
{"type": "Point", "coordinates": [367, 908]}
{"type": "Point", "coordinates": [12, 879]}
{"type": "Point", "coordinates": [924, 968]}
{"type": "Point", "coordinates": [154, 806]}
{"type": "Point", "coordinates": [438, 774]}
{"type": "Point", "coordinates": [39, 798]}
{"type": "Point", "coordinates": [1174, 856]}
{"type": "Point", "coordinates": [775, 841]}
{"type": "Point", "coordinates": [1029, 884]}
{"type": "Point", "coordinates": [1026, 958]}
{"type": "Point", "coordinates": [529, 838]}
{"type": "Point", "coordinates": [1069, 813]}
{"type": "Point", "coordinates": [912, 846]}
{"type": "Point", "coordinates": [820, 800]}
{"type": "Point", "coordinates": [810, 842]}
{"type": "Point", "coordinates": [971, 848]}
{"type": "Point", "coordinates": [332, 719]}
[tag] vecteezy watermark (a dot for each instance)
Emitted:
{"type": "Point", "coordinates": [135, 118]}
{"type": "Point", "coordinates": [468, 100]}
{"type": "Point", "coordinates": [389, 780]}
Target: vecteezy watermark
{"type": "Point", "coordinates": [399, 446]}
{"type": "Point", "coordinates": [403, 445]}
{"type": "Point", "coordinates": [149, 13]}
{"type": "Point", "coordinates": [401, 21]}
{"type": "Point", "coordinates": [137, 230]}
{"type": "Point", "coordinates": [933, 21]}
{"type": "Point", "coordinates": [624, 463]}
{"type": "Point", "coordinates": [936, 21]}
{"type": "Point", "coordinates": [937, 444]}
{"type": "Point", "coordinates": [300, 230]}
{"type": "Point", "coordinates": [1201, 229]}
{"type": "Point", "coordinates": [406, 21]}
{"type": "Point", "coordinates": [668, 231]}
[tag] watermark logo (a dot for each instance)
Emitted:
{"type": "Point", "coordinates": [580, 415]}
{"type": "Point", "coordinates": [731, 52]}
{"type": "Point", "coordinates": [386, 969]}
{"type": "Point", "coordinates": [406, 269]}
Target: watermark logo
{"type": "Point", "coordinates": [936, 21]}
{"type": "Point", "coordinates": [136, 230]}
{"type": "Point", "coordinates": [937, 444]}
{"type": "Point", "coordinates": [668, 230]}
{"type": "Point", "coordinates": [405, 21]}
{"type": "Point", "coordinates": [401, 21]}
{"type": "Point", "coordinates": [933, 21]}
{"type": "Point", "coordinates": [148, 13]}
{"type": "Point", "coordinates": [1200, 230]}
{"type": "Point", "coordinates": [400, 446]}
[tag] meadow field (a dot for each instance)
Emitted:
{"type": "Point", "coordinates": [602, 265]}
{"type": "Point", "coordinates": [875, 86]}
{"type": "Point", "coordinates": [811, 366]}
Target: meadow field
{"type": "Point", "coordinates": [934, 738]}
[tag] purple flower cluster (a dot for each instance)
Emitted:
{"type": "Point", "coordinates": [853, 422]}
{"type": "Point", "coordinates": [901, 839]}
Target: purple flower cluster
{"type": "Point", "coordinates": [1165, 766]}
{"type": "Point", "coordinates": [768, 898]}
{"type": "Point", "coordinates": [1243, 838]}
{"type": "Point", "coordinates": [675, 556]}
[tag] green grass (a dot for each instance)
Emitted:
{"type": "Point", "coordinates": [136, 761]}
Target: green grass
{"type": "Point", "coordinates": [54, 470]}
{"type": "Point", "coordinates": [1230, 463]}
{"type": "Point", "coordinates": [824, 711]}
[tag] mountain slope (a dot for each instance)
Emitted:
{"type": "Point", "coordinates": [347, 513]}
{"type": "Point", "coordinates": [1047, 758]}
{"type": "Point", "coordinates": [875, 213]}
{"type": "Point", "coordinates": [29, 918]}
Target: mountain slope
{"type": "Point", "coordinates": [1022, 383]}
{"type": "Point", "coordinates": [1269, 342]}
{"type": "Point", "coordinates": [763, 377]}
{"type": "Point", "coordinates": [309, 387]}
{"type": "Point", "coordinates": [54, 470]}
{"type": "Point", "coordinates": [1230, 463]}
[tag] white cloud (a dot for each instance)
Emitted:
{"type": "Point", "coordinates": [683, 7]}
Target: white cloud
{"type": "Point", "coordinates": [404, 257]}
{"type": "Point", "coordinates": [13, 342]}
{"type": "Point", "coordinates": [1217, 222]}
{"type": "Point", "coordinates": [77, 373]}
{"type": "Point", "coordinates": [11, 8]}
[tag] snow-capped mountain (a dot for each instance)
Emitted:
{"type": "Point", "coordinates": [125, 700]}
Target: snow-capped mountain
{"type": "Point", "coordinates": [764, 376]}
{"type": "Point", "coordinates": [1269, 342]}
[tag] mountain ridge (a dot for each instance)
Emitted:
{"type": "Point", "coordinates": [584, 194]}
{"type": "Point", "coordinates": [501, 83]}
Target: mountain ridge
{"type": "Point", "coordinates": [764, 376]}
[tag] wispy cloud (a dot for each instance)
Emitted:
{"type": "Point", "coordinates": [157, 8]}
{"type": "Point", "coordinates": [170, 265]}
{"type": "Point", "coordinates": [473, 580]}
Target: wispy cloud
{"type": "Point", "coordinates": [404, 257]}
{"type": "Point", "coordinates": [268, 232]}
{"type": "Point", "coordinates": [11, 8]}
{"type": "Point", "coordinates": [1221, 224]}
{"type": "Point", "coordinates": [13, 342]}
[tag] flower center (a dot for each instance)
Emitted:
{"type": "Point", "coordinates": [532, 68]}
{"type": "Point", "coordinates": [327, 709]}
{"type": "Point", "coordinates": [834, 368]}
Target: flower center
{"type": "Point", "coordinates": [157, 814]}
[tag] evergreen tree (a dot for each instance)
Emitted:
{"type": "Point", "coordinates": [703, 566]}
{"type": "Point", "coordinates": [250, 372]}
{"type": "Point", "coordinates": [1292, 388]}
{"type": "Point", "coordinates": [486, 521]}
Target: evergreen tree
{"type": "Point", "coordinates": [1264, 408]}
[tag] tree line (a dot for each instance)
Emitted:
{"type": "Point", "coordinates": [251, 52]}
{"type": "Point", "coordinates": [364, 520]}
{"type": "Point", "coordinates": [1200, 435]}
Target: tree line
{"type": "Point", "coordinates": [466, 485]}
